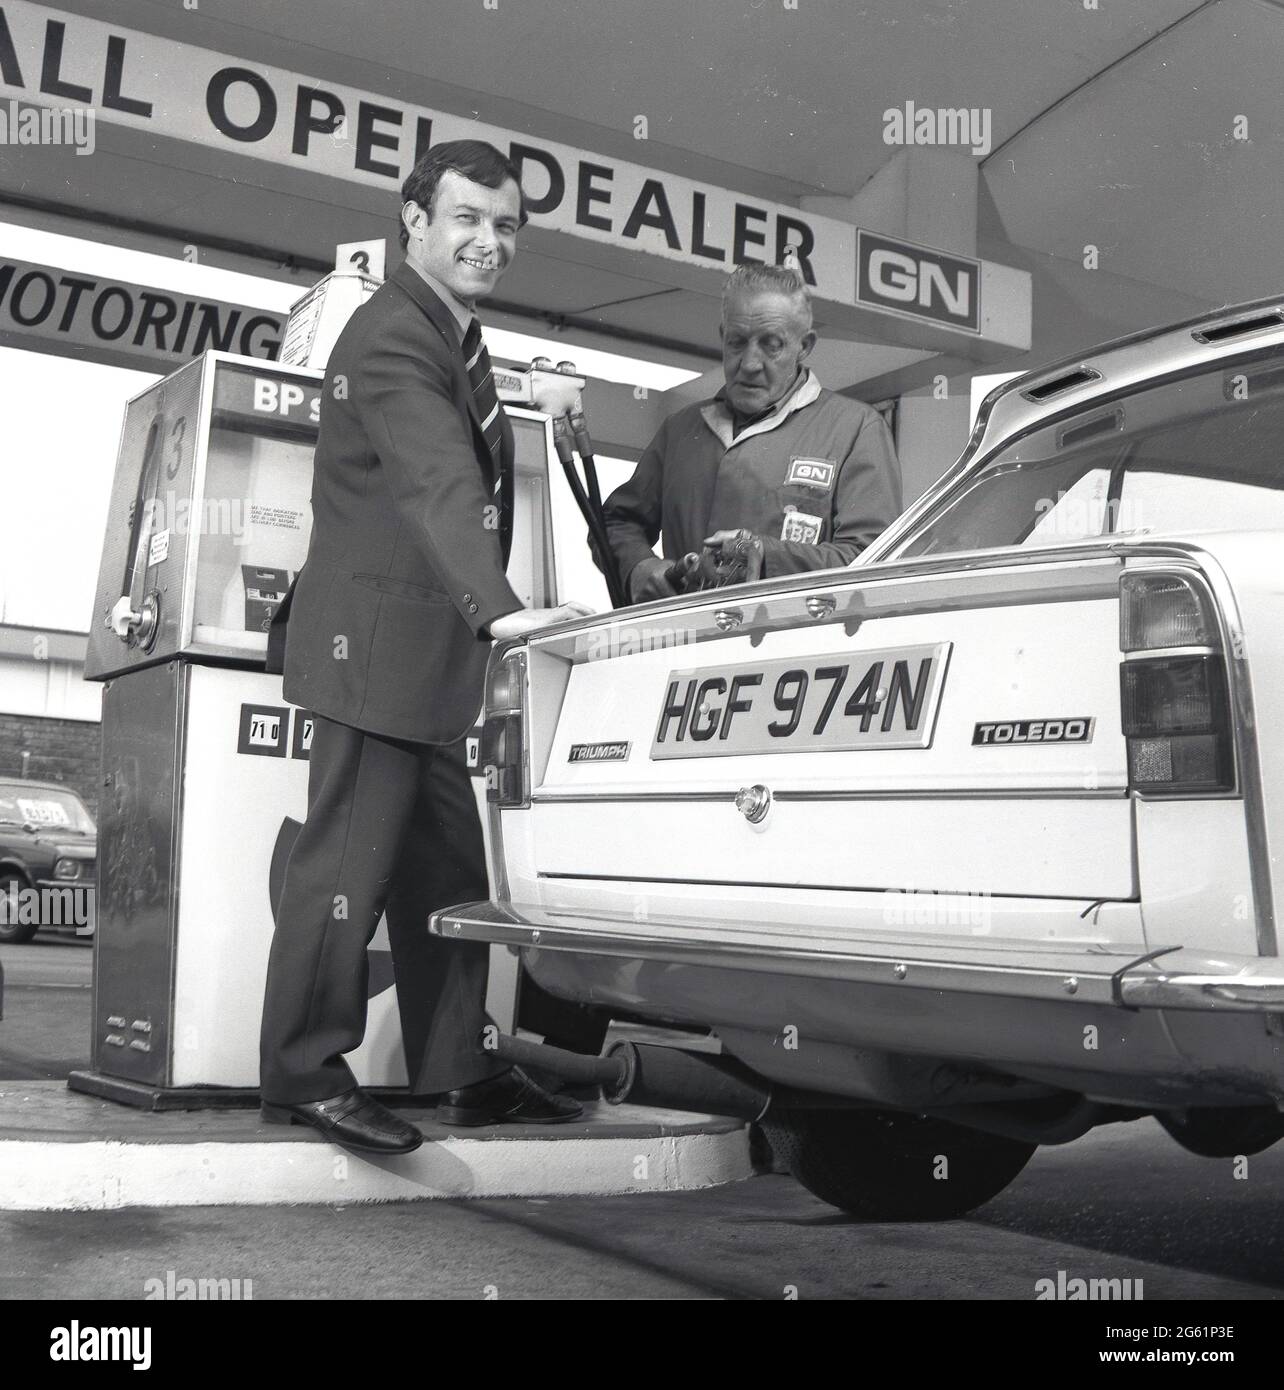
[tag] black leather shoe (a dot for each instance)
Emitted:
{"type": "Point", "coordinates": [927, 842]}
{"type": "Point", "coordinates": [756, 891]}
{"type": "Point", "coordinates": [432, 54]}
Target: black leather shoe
{"type": "Point", "coordinates": [509, 1099]}
{"type": "Point", "coordinates": [354, 1119]}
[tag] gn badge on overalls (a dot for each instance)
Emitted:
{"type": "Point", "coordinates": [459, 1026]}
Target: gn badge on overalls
{"type": "Point", "coordinates": [817, 473]}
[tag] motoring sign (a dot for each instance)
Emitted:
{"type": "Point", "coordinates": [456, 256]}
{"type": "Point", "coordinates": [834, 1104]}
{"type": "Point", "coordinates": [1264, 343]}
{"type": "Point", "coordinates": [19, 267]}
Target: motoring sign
{"type": "Point", "coordinates": [51, 309]}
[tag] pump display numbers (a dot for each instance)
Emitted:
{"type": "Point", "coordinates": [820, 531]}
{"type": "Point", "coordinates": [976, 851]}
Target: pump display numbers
{"type": "Point", "coordinates": [872, 699]}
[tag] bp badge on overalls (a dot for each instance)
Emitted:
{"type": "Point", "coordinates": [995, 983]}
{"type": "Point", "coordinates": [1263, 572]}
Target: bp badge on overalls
{"type": "Point", "coordinates": [801, 526]}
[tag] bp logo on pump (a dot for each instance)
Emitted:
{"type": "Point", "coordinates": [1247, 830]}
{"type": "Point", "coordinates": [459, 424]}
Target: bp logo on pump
{"type": "Point", "coordinates": [918, 281]}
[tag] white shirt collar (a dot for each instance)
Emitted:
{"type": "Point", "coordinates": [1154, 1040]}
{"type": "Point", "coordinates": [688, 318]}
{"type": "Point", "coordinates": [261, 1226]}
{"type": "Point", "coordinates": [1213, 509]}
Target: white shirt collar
{"type": "Point", "coordinates": [462, 313]}
{"type": "Point", "coordinates": [717, 413]}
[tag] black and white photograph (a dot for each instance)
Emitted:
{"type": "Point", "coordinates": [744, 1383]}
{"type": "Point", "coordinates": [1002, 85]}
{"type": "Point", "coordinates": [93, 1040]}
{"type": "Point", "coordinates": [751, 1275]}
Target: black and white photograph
{"type": "Point", "coordinates": [641, 659]}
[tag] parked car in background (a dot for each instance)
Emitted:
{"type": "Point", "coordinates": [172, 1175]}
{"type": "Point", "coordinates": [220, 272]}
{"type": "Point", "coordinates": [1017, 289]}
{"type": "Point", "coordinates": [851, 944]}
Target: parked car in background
{"type": "Point", "coordinates": [972, 846]}
{"type": "Point", "coordinates": [48, 860]}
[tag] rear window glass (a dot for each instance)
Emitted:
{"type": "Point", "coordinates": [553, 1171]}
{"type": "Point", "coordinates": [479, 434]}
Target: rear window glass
{"type": "Point", "coordinates": [1203, 453]}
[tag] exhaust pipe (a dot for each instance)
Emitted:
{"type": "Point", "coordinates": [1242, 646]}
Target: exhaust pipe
{"type": "Point", "coordinates": [570, 1066]}
{"type": "Point", "coordinates": [665, 1078]}
{"type": "Point", "coordinates": [670, 1079]}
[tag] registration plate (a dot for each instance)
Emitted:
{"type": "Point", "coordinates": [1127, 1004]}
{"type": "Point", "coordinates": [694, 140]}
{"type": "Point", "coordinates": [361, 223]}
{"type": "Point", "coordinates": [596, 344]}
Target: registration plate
{"type": "Point", "coordinates": [874, 699]}
{"type": "Point", "coordinates": [43, 812]}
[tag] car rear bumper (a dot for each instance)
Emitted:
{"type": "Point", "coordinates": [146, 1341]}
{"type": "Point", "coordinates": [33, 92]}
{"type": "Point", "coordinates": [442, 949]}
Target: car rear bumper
{"type": "Point", "coordinates": [1168, 978]}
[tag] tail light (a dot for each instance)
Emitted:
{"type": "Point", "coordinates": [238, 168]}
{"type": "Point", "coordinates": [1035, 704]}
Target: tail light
{"type": "Point", "coordinates": [1164, 610]}
{"type": "Point", "coordinates": [503, 741]}
{"type": "Point", "coordinates": [1175, 706]}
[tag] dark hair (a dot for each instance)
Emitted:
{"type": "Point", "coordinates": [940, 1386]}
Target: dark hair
{"type": "Point", "coordinates": [474, 159]}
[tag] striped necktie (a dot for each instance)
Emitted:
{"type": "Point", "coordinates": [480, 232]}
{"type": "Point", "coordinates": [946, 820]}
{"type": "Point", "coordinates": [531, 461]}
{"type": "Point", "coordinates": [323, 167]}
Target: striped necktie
{"type": "Point", "coordinates": [482, 380]}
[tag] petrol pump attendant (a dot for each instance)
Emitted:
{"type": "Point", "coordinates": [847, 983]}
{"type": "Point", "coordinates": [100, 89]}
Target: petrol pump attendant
{"type": "Point", "coordinates": [811, 473]}
{"type": "Point", "coordinates": [389, 629]}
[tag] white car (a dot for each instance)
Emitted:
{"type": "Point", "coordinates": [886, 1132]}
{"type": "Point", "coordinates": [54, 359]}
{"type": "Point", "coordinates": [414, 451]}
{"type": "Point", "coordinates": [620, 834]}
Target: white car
{"type": "Point", "coordinates": [970, 847]}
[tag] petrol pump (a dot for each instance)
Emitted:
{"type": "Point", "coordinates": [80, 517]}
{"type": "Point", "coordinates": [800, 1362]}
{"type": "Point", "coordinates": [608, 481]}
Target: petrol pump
{"type": "Point", "coordinates": [204, 764]}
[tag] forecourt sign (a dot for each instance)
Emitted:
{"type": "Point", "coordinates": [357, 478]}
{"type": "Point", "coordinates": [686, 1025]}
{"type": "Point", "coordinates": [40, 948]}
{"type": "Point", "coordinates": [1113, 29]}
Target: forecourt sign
{"type": "Point", "coordinates": [611, 208]}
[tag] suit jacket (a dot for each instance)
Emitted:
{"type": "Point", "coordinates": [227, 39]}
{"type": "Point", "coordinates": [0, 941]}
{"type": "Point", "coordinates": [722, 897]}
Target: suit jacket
{"type": "Point", "coordinates": [387, 619]}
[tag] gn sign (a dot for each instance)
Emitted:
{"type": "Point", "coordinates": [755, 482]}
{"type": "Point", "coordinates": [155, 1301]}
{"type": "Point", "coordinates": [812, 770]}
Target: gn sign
{"type": "Point", "coordinates": [916, 281]}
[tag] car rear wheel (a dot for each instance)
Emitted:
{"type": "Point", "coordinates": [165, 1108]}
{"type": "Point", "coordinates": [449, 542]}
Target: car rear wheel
{"type": "Point", "coordinates": [886, 1165]}
{"type": "Point", "coordinates": [13, 933]}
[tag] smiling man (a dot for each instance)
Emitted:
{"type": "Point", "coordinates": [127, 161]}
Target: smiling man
{"type": "Point", "coordinates": [388, 633]}
{"type": "Point", "coordinates": [811, 475]}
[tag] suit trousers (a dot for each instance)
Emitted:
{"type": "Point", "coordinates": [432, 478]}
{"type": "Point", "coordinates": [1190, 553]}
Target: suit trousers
{"type": "Point", "coordinates": [391, 826]}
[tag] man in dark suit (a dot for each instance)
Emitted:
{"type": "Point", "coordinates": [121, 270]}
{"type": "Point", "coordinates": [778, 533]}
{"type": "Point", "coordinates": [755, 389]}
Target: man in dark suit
{"type": "Point", "coordinates": [388, 636]}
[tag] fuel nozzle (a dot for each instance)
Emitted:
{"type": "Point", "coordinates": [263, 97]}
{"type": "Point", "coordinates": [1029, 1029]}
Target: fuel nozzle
{"type": "Point", "coordinates": [683, 574]}
{"type": "Point", "coordinates": [556, 392]}
{"type": "Point", "coordinates": [579, 428]}
{"type": "Point", "coordinates": [562, 440]}
{"type": "Point", "coordinates": [738, 560]}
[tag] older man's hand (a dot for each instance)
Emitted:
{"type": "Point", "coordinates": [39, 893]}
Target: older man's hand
{"type": "Point", "coordinates": [719, 539]}
{"type": "Point", "coordinates": [649, 580]}
{"type": "Point", "coordinates": [731, 557]}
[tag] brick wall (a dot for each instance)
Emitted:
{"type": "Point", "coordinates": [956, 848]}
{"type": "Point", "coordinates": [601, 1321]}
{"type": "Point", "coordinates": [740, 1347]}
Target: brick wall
{"type": "Point", "coordinates": [62, 750]}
